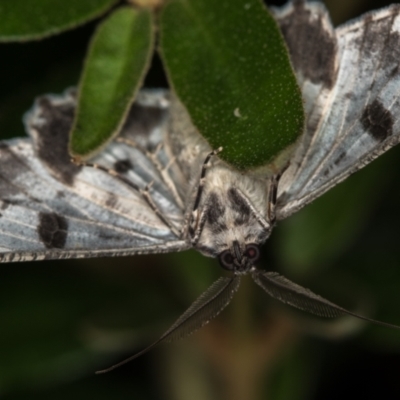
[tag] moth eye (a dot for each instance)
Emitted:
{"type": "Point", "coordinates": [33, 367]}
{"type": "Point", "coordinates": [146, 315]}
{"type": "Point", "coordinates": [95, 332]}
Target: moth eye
{"type": "Point", "coordinates": [252, 252]}
{"type": "Point", "coordinates": [226, 260]}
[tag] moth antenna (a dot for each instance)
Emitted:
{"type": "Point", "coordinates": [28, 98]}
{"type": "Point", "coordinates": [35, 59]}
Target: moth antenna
{"type": "Point", "coordinates": [288, 292]}
{"type": "Point", "coordinates": [202, 310]}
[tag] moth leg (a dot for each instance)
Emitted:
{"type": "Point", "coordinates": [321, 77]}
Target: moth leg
{"type": "Point", "coordinates": [272, 196]}
{"type": "Point", "coordinates": [145, 192]}
{"type": "Point", "coordinates": [264, 222]}
{"type": "Point", "coordinates": [195, 232]}
{"type": "Point", "coordinates": [196, 221]}
{"type": "Point", "coordinates": [162, 170]}
{"type": "Point", "coordinates": [203, 175]}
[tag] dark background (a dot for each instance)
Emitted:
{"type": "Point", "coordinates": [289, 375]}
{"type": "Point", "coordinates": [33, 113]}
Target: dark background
{"type": "Point", "coordinates": [62, 320]}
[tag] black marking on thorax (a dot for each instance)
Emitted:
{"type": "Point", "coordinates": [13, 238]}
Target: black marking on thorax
{"type": "Point", "coordinates": [377, 121]}
{"type": "Point", "coordinates": [240, 206]}
{"type": "Point", "coordinates": [52, 230]}
{"type": "Point", "coordinates": [215, 213]}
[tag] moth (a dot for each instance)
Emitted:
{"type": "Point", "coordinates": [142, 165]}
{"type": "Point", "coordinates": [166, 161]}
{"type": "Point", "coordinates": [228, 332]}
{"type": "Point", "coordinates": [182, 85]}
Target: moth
{"type": "Point", "coordinates": [159, 187]}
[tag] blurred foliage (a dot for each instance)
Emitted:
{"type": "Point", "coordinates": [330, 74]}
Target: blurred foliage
{"type": "Point", "coordinates": [62, 320]}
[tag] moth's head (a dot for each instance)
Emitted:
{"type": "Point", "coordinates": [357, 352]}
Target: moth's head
{"type": "Point", "coordinates": [239, 258]}
{"type": "Point", "coordinates": [232, 231]}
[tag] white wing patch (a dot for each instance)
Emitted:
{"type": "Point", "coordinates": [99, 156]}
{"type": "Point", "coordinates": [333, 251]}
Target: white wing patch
{"type": "Point", "coordinates": [51, 208]}
{"type": "Point", "coordinates": [352, 103]}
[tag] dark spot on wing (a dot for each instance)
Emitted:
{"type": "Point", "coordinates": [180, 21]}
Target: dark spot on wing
{"type": "Point", "coordinates": [141, 121]}
{"type": "Point", "coordinates": [11, 166]}
{"type": "Point", "coordinates": [380, 43]}
{"type": "Point", "coordinates": [312, 43]}
{"type": "Point", "coordinates": [341, 156]}
{"type": "Point", "coordinates": [52, 137]}
{"type": "Point", "coordinates": [111, 200]}
{"type": "Point", "coordinates": [6, 187]}
{"type": "Point", "coordinates": [4, 204]}
{"type": "Point", "coordinates": [363, 41]}
{"type": "Point", "coordinates": [391, 53]}
{"type": "Point", "coordinates": [10, 202]}
{"type": "Point", "coordinates": [239, 205]}
{"type": "Point", "coordinates": [52, 230]}
{"type": "Point", "coordinates": [377, 35]}
{"type": "Point", "coordinates": [215, 213]}
{"type": "Point", "coordinates": [108, 236]}
{"type": "Point", "coordinates": [123, 166]}
{"type": "Point", "coordinates": [326, 172]}
{"type": "Point", "coordinates": [395, 71]}
{"type": "Point", "coordinates": [377, 121]}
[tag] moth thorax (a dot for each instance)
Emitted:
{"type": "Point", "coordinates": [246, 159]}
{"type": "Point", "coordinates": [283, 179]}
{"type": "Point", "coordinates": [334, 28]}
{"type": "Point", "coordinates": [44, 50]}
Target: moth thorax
{"type": "Point", "coordinates": [228, 215]}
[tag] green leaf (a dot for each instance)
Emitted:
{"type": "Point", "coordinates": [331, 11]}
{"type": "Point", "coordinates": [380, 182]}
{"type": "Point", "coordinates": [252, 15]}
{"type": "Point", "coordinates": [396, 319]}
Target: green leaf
{"type": "Point", "coordinates": [117, 60]}
{"type": "Point", "coordinates": [29, 20]}
{"type": "Point", "coordinates": [228, 64]}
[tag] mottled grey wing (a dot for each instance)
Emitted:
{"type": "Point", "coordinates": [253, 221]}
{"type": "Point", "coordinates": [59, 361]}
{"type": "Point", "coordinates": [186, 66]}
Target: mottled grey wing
{"type": "Point", "coordinates": [288, 292]}
{"type": "Point", "coordinates": [202, 310]}
{"type": "Point", "coordinates": [51, 208]}
{"type": "Point", "coordinates": [350, 80]}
